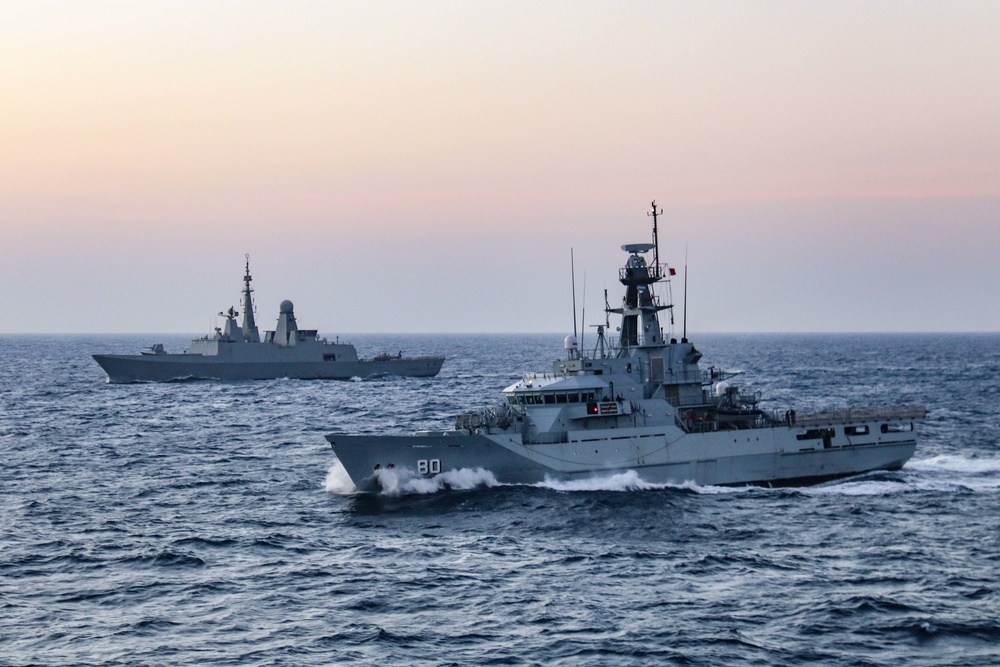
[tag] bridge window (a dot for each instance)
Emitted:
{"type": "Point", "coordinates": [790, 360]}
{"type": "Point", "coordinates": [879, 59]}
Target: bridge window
{"type": "Point", "coordinates": [551, 399]}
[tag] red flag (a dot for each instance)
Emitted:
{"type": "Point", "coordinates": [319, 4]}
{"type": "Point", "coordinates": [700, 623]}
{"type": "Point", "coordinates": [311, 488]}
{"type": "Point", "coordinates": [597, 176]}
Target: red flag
{"type": "Point", "coordinates": [672, 271]}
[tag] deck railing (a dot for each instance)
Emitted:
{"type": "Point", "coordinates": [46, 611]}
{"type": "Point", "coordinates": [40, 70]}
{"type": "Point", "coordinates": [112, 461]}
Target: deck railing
{"type": "Point", "coordinates": [848, 415]}
{"type": "Point", "coordinates": [772, 418]}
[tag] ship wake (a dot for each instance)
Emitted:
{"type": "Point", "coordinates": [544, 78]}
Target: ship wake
{"type": "Point", "coordinates": [945, 474]}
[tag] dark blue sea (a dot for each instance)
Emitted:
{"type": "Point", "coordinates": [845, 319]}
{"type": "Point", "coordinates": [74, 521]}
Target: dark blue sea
{"type": "Point", "coordinates": [208, 523]}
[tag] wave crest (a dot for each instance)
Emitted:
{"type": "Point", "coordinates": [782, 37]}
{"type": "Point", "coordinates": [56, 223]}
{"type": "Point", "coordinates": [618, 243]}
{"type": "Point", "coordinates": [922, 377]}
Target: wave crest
{"type": "Point", "coordinates": [629, 480]}
{"type": "Point", "coordinates": [403, 481]}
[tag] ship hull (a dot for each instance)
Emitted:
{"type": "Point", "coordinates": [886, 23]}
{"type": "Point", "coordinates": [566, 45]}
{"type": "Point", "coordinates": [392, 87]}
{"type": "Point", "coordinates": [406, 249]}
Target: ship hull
{"type": "Point", "coordinates": [171, 367]}
{"type": "Point", "coordinates": [764, 457]}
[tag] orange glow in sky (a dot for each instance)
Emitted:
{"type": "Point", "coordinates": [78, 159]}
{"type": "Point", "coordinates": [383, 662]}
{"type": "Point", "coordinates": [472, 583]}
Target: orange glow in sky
{"type": "Point", "coordinates": [423, 167]}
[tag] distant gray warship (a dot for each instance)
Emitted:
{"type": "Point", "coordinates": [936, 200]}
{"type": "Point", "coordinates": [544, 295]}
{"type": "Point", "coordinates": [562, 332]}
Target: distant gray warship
{"type": "Point", "coordinates": [639, 404]}
{"type": "Point", "coordinates": [237, 352]}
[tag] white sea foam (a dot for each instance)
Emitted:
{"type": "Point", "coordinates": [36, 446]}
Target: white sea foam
{"type": "Point", "coordinates": [338, 481]}
{"type": "Point", "coordinates": [860, 487]}
{"type": "Point", "coordinates": [716, 490]}
{"type": "Point", "coordinates": [627, 481]}
{"type": "Point", "coordinates": [947, 473]}
{"type": "Point", "coordinates": [956, 463]}
{"type": "Point", "coordinates": [956, 471]}
{"type": "Point", "coordinates": [884, 488]}
{"type": "Point", "coordinates": [623, 481]}
{"type": "Point", "coordinates": [400, 481]}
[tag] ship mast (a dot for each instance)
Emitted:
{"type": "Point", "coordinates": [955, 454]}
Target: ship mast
{"type": "Point", "coordinates": [656, 239]}
{"type": "Point", "coordinates": [640, 325]}
{"type": "Point", "coordinates": [572, 274]}
{"type": "Point", "coordinates": [250, 332]}
{"type": "Point", "coordinates": [602, 345]}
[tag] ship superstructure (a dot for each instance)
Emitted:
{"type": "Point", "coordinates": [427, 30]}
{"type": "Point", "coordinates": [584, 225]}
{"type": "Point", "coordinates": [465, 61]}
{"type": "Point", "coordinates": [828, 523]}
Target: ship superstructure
{"type": "Point", "coordinates": [642, 403]}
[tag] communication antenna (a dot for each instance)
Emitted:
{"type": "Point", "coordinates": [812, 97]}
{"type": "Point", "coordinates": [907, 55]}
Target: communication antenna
{"type": "Point", "coordinates": [656, 238]}
{"type": "Point", "coordinates": [684, 336]}
{"type": "Point", "coordinates": [572, 273]}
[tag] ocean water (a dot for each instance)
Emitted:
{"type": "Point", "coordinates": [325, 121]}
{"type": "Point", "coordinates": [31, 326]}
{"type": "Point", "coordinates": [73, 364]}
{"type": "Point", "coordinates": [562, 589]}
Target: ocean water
{"type": "Point", "coordinates": [208, 523]}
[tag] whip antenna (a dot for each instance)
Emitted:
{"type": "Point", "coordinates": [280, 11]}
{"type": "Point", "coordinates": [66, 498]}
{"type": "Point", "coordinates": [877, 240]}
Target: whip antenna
{"type": "Point", "coordinates": [684, 336]}
{"type": "Point", "coordinates": [572, 274]}
{"type": "Point", "coordinates": [656, 238]}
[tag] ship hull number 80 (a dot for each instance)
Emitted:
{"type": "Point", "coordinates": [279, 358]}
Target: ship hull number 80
{"type": "Point", "coordinates": [429, 466]}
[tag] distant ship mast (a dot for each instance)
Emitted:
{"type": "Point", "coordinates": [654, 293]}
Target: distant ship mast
{"type": "Point", "coordinates": [250, 332]}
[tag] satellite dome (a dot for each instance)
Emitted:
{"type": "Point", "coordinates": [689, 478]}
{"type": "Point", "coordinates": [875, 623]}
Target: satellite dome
{"type": "Point", "coordinates": [569, 342]}
{"type": "Point", "coordinates": [721, 388]}
{"type": "Point", "coordinates": [286, 306]}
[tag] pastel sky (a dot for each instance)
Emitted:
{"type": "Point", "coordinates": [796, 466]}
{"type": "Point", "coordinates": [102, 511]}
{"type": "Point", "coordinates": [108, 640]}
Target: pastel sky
{"type": "Point", "coordinates": [428, 166]}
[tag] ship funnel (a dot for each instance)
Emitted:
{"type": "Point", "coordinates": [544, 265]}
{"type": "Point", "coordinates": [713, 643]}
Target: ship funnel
{"type": "Point", "coordinates": [285, 330]}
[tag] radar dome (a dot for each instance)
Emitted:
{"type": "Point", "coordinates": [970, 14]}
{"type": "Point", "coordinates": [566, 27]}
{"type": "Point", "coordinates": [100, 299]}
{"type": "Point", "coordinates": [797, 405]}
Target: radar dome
{"type": "Point", "coordinates": [286, 306]}
{"type": "Point", "coordinates": [720, 389]}
{"type": "Point", "coordinates": [570, 342]}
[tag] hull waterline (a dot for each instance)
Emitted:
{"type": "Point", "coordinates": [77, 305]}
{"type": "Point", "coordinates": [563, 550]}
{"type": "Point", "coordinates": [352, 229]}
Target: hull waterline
{"type": "Point", "coordinates": [147, 368]}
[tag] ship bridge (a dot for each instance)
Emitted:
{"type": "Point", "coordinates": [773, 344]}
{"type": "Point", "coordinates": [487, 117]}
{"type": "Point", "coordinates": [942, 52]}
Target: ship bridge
{"type": "Point", "coordinates": [555, 389]}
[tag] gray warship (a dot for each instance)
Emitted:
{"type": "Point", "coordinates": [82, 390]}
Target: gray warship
{"type": "Point", "coordinates": [643, 404]}
{"type": "Point", "coordinates": [238, 352]}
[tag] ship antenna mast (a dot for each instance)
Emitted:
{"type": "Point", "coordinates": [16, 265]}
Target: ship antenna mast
{"type": "Point", "coordinates": [607, 311]}
{"type": "Point", "coordinates": [572, 275]}
{"type": "Point", "coordinates": [684, 336]}
{"type": "Point", "coordinates": [656, 239]}
{"type": "Point", "coordinates": [250, 332]}
{"type": "Point", "coordinates": [601, 328]}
